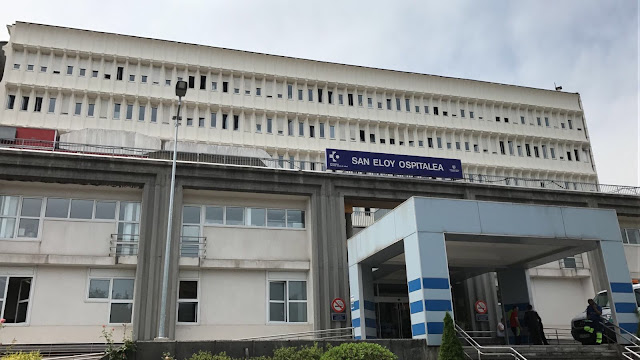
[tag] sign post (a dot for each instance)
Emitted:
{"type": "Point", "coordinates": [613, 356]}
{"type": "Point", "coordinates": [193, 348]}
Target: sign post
{"type": "Point", "coordinates": [382, 163]}
{"type": "Point", "coordinates": [338, 306]}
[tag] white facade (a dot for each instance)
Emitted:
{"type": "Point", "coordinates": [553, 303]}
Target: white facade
{"type": "Point", "coordinates": [294, 109]}
{"type": "Point", "coordinates": [58, 245]}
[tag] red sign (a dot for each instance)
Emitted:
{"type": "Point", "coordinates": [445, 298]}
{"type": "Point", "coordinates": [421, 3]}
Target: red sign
{"type": "Point", "coordinates": [481, 307]}
{"type": "Point", "coordinates": [338, 305]}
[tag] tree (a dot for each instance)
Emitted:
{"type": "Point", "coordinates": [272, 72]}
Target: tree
{"type": "Point", "coordinates": [451, 348]}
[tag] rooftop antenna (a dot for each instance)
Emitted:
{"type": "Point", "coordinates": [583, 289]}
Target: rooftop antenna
{"type": "Point", "coordinates": [558, 88]}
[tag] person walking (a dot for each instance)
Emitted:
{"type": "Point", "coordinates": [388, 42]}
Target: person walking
{"type": "Point", "coordinates": [500, 332]}
{"type": "Point", "coordinates": [514, 323]}
{"type": "Point", "coordinates": [594, 311]}
{"type": "Point", "coordinates": [533, 323]}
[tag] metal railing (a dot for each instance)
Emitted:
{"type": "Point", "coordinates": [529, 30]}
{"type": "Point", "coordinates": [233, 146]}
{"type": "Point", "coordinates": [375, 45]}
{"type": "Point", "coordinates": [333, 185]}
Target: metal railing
{"type": "Point", "coordinates": [559, 335]}
{"type": "Point", "coordinates": [488, 350]}
{"type": "Point", "coordinates": [59, 351]}
{"type": "Point", "coordinates": [193, 246]}
{"type": "Point", "coordinates": [631, 351]}
{"type": "Point", "coordinates": [123, 245]}
{"type": "Point", "coordinates": [327, 334]}
{"type": "Point", "coordinates": [299, 165]}
{"type": "Point", "coordinates": [362, 218]}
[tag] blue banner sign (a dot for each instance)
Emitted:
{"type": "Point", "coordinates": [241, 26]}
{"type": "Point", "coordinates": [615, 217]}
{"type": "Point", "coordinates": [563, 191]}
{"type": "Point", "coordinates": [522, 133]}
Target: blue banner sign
{"type": "Point", "coordinates": [369, 162]}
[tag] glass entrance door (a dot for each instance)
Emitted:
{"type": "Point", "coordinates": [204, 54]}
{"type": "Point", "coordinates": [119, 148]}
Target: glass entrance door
{"type": "Point", "coordinates": [393, 320]}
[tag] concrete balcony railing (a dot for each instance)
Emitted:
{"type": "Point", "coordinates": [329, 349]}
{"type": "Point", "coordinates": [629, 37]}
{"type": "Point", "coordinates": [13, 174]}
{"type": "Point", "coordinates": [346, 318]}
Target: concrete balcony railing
{"type": "Point", "coordinates": [298, 165]}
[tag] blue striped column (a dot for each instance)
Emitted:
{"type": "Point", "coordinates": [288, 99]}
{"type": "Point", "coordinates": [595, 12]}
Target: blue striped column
{"type": "Point", "coordinates": [429, 287]}
{"type": "Point", "coordinates": [363, 308]}
{"type": "Point", "coordinates": [620, 289]}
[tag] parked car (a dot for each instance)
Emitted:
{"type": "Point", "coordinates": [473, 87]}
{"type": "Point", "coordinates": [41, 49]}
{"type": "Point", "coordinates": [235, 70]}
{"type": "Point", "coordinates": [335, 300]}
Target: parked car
{"type": "Point", "coordinates": [578, 322]}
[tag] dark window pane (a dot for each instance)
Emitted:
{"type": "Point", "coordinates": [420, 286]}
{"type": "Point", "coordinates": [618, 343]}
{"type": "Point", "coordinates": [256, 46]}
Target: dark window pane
{"type": "Point", "coordinates": [276, 312]}
{"type": "Point", "coordinates": [298, 312]}
{"type": "Point", "coordinates": [214, 215]}
{"type": "Point", "coordinates": [31, 207]}
{"type": "Point", "coordinates": [106, 210]}
{"type": "Point", "coordinates": [99, 289]}
{"type": "Point", "coordinates": [295, 219]}
{"type": "Point", "coordinates": [81, 209]}
{"type": "Point", "coordinates": [275, 218]}
{"type": "Point", "coordinates": [122, 289]}
{"type": "Point", "coordinates": [188, 312]}
{"type": "Point", "coordinates": [57, 208]}
{"type": "Point", "coordinates": [297, 290]}
{"type": "Point", "coordinates": [235, 216]}
{"type": "Point", "coordinates": [191, 215]}
{"type": "Point", "coordinates": [120, 313]}
{"type": "Point", "coordinates": [28, 228]}
{"type": "Point", "coordinates": [188, 289]}
{"type": "Point", "coordinates": [258, 217]}
{"type": "Point", "coordinates": [276, 290]}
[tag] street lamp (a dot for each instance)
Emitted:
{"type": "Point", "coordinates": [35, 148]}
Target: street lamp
{"type": "Point", "coordinates": [181, 90]}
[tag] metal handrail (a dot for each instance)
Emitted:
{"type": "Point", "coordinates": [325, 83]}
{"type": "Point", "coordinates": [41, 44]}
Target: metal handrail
{"type": "Point", "coordinates": [481, 350]}
{"type": "Point", "coordinates": [298, 165]}
{"type": "Point", "coordinates": [187, 247]}
{"type": "Point", "coordinates": [634, 348]}
{"type": "Point", "coordinates": [312, 333]}
{"type": "Point", "coordinates": [118, 246]}
{"type": "Point", "coordinates": [82, 357]}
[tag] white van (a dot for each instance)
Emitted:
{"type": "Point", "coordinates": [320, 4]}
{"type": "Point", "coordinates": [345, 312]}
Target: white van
{"type": "Point", "coordinates": [602, 299]}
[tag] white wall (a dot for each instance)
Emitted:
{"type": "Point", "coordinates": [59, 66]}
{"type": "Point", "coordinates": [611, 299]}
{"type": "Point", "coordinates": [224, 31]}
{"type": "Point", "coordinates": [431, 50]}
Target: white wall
{"type": "Point", "coordinates": [233, 305]}
{"type": "Point", "coordinates": [558, 300]}
{"type": "Point", "coordinates": [59, 311]}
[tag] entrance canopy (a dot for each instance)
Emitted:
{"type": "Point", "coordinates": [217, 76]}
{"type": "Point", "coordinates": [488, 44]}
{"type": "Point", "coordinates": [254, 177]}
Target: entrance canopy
{"type": "Point", "coordinates": [441, 239]}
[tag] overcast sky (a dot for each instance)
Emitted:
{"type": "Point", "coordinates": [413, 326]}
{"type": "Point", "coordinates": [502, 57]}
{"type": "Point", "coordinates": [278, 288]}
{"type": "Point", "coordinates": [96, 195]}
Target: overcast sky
{"type": "Point", "coordinates": [587, 46]}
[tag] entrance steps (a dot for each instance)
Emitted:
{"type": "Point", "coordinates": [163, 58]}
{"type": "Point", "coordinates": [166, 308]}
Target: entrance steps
{"type": "Point", "coordinates": [555, 352]}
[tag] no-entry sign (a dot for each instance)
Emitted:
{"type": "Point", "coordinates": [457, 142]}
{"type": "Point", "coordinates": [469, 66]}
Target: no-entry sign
{"type": "Point", "coordinates": [481, 307]}
{"type": "Point", "coordinates": [338, 305]}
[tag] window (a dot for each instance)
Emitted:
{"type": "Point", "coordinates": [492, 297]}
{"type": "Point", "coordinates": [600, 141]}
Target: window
{"type": "Point", "coordinates": [129, 115]}
{"type": "Point", "coordinates": [105, 210]}
{"type": "Point", "coordinates": [189, 121]}
{"type": "Point", "coordinates": [629, 236]}
{"type": "Point", "coordinates": [388, 104]}
{"type": "Point", "coordinates": [476, 148]}
{"type": "Point", "coordinates": [536, 152]}
{"type": "Point", "coordinates": [519, 150]}
{"type": "Point", "coordinates": [16, 291]}
{"type": "Point", "coordinates": [289, 91]}
{"type": "Point", "coordinates": [544, 151]}
{"type": "Point", "coordinates": [528, 149]}
{"type": "Point", "coordinates": [201, 122]}
{"type": "Point", "coordinates": [546, 122]}
{"type": "Point", "coordinates": [553, 153]}
{"type": "Point", "coordinates": [91, 109]}
{"type": "Point", "coordinates": [458, 145]}
{"type": "Point", "coordinates": [461, 112]}
{"type": "Point", "coordinates": [300, 128]}
{"type": "Point", "coordinates": [332, 131]}
{"type": "Point", "coordinates": [312, 132]}
{"type": "Point", "coordinates": [506, 120]}
{"type": "Point", "coordinates": [370, 103]}
{"type": "Point", "coordinates": [300, 93]}
{"type": "Point", "coordinates": [466, 145]}
{"type": "Point", "coordinates": [188, 301]}
{"type": "Point", "coordinates": [340, 99]}
{"type": "Point", "coordinates": [11, 100]}
{"type": "Point", "coordinates": [57, 208]}
{"type": "Point", "coordinates": [119, 73]}
{"type": "Point", "coordinates": [116, 111]}
{"type": "Point", "coordinates": [236, 122]}
{"type": "Point", "coordinates": [471, 114]}
{"type": "Point", "coordinates": [510, 144]}
{"type": "Point", "coordinates": [287, 301]}
{"type": "Point", "coordinates": [577, 154]}
{"type": "Point", "coordinates": [435, 110]}
{"type": "Point", "coordinates": [569, 155]}
{"type": "Point", "coordinates": [94, 73]}
{"type": "Point", "coordinates": [444, 113]}
{"type": "Point", "coordinates": [417, 108]}
{"type": "Point", "coordinates": [430, 142]}
{"type": "Point", "coordinates": [43, 69]}
{"type": "Point", "coordinates": [420, 143]}
{"type": "Point", "coordinates": [29, 67]}
{"type": "Point", "coordinates": [360, 100]}
{"type": "Point", "coordinates": [257, 217]}
{"type": "Point", "coordinates": [118, 292]}
{"type": "Point", "coordinates": [276, 218]}
{"type": "Point", "coordinates": [350, 99]}
{"type": "Point", "coordinates": [502, 148]}
{"type": "Point", "coordinates": [522, 120]}
{"type": "Point", "coordinates": [310, 94]}
{"type": "Point", "coordinates": [372, 138]}
{"type": "Point", "coordinates": [570, 124]}
{"type": "Point", "coordinates": [143, 79]}
{"type": "Point", "coordinates": [154, 114]}
{"type": "Point", "coordinates": [225, 86]}
{"type": "Point", "coordinates": [234, 215]}
{"type": "Point", "coordinates": [203, 82]}
{"type": "Point", "coordinates": [38, 105]}
{"type": "Point", "coordinates": [498, 118]}
{"type": "Point", "coordinates": [69, 70]}
{"type": "Point", "coordinates": [439, 142]}
{"type": "Point", "coordinates": [224, 121]}
{"type": "Point", "coordinates": [398, 104]}
{"type": "Point", "coordinates": [212, 122]}
{"type": "Point", "coordinates": [192, 82]}
{"type": "Point", "coordinates": [19, 217]}
{"type": "Point", "coordinates": [321, 130]}
{"type": "Point", "coordinates": [132, 78]}
{"type": "Point", "coordinates": [330, 97]}
{"type": "Point", "coordinates": [16, 66]}
{"type": "Point", "coordinates": [83, 72]}
{"type": "Point", "coordinates": [562, 125]}
{"type": "Point", "coordinates": [319, 95]}
{"type": "Point", "coordinates": [269, 126]}
{"type": "Point", "coordinates": [258, 91]}
{"type": "Point", "coordinates": [258, 127]}
{"type": "Point", "coordinates": [25, 103]}
{"type": "Point", "coordinates": [362, 136]}
{"type": "Point", "coordinates": [106, 76]}
{"type": "Point", "coordinates": [52, 105]}
{"type": "Point", "coordinates": [539, 121]}
{"type": "Point", "coordinates": [78, 109]}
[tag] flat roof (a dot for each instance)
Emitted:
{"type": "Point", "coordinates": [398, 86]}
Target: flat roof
{"type": "Point", "coordinates": [290, 57]}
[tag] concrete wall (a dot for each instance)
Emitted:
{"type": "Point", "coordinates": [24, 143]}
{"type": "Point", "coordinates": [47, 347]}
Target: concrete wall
{"type": "Point", "coordinates": [558, 300]}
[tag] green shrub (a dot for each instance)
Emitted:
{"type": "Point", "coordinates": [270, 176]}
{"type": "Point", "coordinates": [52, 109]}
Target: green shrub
{"type": "Point", "coordinates": [35, 355]}
{"type": "Point", "coordinates": [451, 348]}
{"type": "Point", "coordinates": [292, 353]}
{"type": "Point", "coordinates": [358, 351]}
{"type": "Point", "coordinates": [206, 355]}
